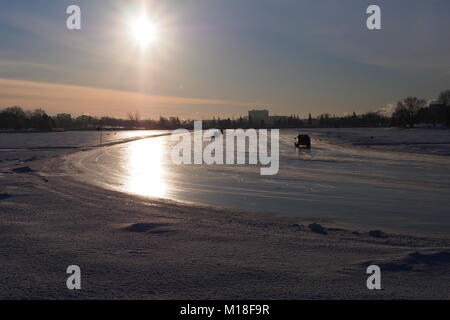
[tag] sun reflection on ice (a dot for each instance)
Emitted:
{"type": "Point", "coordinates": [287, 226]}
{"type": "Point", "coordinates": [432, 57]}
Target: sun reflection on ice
{"type": "Point", "coordinates": [146, 171]}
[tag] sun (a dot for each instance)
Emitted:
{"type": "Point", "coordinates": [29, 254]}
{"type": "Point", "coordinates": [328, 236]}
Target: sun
{"type": "Point", "coordinates": [144, 31]}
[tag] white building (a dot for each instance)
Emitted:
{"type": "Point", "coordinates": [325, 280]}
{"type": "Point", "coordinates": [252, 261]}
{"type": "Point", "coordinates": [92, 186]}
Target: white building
{"type": "Point", "coordinates": [258, 117]}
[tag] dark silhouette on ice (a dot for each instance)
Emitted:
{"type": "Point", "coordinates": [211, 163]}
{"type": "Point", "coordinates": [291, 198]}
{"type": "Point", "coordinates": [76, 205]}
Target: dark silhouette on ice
{"type": "Point", "coordinates": [303, 140]}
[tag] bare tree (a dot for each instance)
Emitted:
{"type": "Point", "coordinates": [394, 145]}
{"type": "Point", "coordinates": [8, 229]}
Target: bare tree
{"type": "Point", "coordinates": [407, 111]}
{"type": "Point", "coordinates": [135, 118]}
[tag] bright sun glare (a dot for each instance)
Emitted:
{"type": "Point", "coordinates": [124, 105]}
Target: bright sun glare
{"type": "Point", "coordinates": [144, 31]}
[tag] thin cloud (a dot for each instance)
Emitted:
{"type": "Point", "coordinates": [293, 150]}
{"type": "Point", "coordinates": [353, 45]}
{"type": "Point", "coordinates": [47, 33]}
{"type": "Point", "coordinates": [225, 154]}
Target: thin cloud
{"type": "Point", "coordinates": [78, 100]}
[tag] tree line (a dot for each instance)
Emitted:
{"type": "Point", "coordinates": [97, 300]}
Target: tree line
{"type": "Point", "coordinates": [408, 113]}
{"type": "Point", "coordinates": [412, 110]}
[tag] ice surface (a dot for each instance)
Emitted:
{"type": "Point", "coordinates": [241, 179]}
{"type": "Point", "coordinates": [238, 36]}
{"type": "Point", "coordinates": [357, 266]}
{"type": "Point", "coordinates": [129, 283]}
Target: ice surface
{"type": "Point", "coordinates": [337, 181]}
{"type": "Point", "coordinates": [69, 139]}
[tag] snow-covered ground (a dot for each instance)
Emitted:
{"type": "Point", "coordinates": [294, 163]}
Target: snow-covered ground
{"type": "Point", "coordinates": [133, 247]}
{"type": "Point", "coordinates": [333, 182]}
{"type": "Point", "coordinates": [417, 140]}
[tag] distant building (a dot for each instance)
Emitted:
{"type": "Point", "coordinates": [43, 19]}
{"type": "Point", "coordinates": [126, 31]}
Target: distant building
{"type": "Point", "coordinates": [436, 108]}
{"type": "Point", "coordinates": [64, 116]}
{"type": "Point", "coordinates": [86, 122]}
{"type": "Point", "coordinates": [258, 117]}
{"type": "Point", "coordinates": [84, 118]}
{"type": "Point", "coordinates": [63, 120]}
{"type": "Point", "coordinates": [432, 104]}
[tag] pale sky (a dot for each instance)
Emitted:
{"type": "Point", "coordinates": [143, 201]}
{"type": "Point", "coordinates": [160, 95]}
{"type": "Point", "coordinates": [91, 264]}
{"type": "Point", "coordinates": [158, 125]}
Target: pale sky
{"type": "Point", "coordinates": [222, 57]}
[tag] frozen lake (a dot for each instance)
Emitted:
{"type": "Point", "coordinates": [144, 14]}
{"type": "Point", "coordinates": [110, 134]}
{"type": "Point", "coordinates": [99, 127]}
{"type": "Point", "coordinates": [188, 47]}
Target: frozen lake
{"type": "Point", "coordinates": [344, 183]}
{"type": "Point", "coordinates": [68, 139]}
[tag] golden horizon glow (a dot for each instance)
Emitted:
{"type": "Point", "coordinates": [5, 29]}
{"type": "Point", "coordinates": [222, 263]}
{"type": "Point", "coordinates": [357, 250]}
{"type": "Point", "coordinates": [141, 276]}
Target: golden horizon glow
{"type": "Point", "coordinates": [57, 98]}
